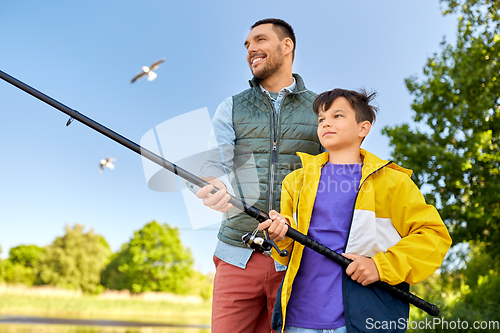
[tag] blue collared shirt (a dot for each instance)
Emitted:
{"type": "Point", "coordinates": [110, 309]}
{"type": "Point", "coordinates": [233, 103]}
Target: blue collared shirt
{"type": "Point", "coordinates": [223, 134]}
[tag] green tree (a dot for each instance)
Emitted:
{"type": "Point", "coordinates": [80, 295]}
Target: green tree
{"type": "Point", "coordinates": [15, 273]}
{"type": "Point", "coordinates": [200, 285]}
{"type": "Point", "coordinates": [471, 293]}
{"type": "Point", "coordinates": [455, 147]}
{"type": "Point", "coordinates": [1, 266]}
{"type": "Point", "coordinates": [22, 265]}
{"type": "Point", "coordinates": [26, 255]}
{"type": "Point", "coordinates": [75, 260]}
{"type": "Point", "coordinates": [153, 260]}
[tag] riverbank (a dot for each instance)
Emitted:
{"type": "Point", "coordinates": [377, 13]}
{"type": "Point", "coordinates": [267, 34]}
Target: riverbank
{"type": "Point", "coordinates": [111, 305]}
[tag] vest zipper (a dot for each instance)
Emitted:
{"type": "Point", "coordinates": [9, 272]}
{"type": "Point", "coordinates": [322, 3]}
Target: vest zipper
{"type": "Point", "coordinates": [271, 191]}
{"type": "Point", "coordinates": [274, 139]}
{"type": "Point", "coordinates": [276, 134]}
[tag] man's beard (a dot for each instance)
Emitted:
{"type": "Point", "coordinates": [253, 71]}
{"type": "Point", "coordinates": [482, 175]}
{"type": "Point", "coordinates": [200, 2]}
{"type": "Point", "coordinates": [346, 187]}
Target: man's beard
{"type": "Point", "coordinates": [273, 65]}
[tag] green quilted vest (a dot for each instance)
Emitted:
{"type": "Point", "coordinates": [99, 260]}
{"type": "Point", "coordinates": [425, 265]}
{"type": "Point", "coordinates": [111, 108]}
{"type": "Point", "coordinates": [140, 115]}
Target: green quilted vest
{"type": "Point", "coordinates": [258, 127]}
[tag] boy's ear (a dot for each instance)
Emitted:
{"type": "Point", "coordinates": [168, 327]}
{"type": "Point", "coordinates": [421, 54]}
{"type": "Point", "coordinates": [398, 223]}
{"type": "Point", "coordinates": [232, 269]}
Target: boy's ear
{"type": "Point", "coordinates": [364, 128]}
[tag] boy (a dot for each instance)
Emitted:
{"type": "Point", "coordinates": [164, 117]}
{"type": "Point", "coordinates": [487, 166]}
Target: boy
{"type": "Point", "coordinates": [352, 202]}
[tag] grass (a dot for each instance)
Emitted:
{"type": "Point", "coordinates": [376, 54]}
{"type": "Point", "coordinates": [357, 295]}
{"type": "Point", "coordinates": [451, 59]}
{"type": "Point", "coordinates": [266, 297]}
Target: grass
{"type": "Point", "coordinates": [171, 309]}
{"type": "Point", "coordinates": [89, 329]}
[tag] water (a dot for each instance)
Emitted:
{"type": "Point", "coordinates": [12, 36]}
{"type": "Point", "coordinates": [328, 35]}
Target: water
{"type": "Point", "coordinates": [29, 324]}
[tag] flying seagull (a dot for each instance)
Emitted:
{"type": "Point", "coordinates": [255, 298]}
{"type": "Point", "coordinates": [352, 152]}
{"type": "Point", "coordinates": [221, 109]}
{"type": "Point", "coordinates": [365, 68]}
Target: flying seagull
{"type": "Point", "coordinates": [107, 163]}
{"type": "Point", "coordinates": [148, 71]}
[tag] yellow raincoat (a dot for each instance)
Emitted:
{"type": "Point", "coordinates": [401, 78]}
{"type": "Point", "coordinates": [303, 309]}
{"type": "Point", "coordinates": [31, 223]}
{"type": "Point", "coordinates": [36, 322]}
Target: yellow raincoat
{"type": "Point", "coordinates": [391, 223]}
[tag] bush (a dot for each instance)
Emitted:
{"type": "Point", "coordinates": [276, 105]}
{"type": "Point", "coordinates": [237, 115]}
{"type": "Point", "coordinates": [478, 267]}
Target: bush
{"type": "Point", "coordinates": [153, 260]}
{"type": "Point", "coordinates": [74, 261]}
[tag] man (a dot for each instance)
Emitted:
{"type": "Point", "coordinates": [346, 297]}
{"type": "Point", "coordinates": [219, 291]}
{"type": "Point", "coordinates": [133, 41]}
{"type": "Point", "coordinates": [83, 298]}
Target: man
{"type": "Point", "coordinates": [274, 120]}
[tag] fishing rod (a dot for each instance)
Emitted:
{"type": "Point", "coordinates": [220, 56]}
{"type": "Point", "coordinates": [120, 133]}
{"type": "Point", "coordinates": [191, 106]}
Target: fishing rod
{"type": "Point", "coordinates": [257, 243]}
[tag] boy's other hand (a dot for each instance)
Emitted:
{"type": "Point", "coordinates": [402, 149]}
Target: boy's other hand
{"type": "Point", "coordinates": [362, 269]}
{"type": "Point", "coordinates": [276, 227]}
{"type": "Point", "coordinates": [217, 201]}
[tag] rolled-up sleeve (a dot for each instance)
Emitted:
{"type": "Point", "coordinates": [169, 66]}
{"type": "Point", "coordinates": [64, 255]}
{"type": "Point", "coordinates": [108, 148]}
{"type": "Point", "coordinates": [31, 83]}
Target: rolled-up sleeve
{"type": "Point", "coordinates": [219, 158]}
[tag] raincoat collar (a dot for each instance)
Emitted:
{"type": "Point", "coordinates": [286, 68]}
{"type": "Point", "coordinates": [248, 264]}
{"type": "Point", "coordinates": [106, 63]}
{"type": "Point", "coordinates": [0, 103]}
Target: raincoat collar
{"type": "Point", "coordinates": [371, 163]}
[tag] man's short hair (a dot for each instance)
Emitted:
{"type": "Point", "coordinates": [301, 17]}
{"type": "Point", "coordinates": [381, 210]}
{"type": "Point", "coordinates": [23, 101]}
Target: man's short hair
{"type": "Point", "coordinates": [359, 100]}
{"type": "Point", "coordinates": [283, 29]}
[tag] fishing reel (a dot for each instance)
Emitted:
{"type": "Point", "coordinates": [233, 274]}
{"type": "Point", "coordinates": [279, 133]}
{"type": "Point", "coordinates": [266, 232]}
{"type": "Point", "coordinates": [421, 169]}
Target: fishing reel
{"type": "Point", "coordinates": [263, 245]}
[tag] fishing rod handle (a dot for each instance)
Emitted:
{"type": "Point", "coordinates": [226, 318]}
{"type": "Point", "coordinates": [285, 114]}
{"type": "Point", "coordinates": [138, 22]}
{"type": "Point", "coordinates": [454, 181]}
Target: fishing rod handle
{"type": "Point", "coordinates": [400, 294]}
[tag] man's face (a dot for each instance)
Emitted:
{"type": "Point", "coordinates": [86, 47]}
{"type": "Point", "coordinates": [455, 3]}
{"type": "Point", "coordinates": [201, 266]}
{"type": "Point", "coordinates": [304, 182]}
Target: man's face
{"type": "Point", "coordinates": [338, 128]}
{"type": "Point", "coordinates": [265, 51]}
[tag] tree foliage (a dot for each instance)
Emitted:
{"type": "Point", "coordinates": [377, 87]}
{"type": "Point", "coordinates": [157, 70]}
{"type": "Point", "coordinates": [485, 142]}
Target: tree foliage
{"type": "Point", "coordinates": [15, 273]}
{"type": "Point", "coordinates": [75, 260]}
{"type": "Point", "coordinates": [1, 266]}
{"type": "Point", "coordinates": [471, 293]}
{"type": "Point", "coordinates": [153, 260]}
{"type": "Point", "coordinates": [455, 146]}
{"type": "Point", "coordinates": [25, 255]}
{"type": "Point", "coordinates": [22, 265]}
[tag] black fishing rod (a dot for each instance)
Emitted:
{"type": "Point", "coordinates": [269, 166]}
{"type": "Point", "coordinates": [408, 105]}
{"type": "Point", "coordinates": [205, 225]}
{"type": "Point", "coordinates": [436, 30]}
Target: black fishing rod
{"type": "Point", "coordinates": [257, 243]}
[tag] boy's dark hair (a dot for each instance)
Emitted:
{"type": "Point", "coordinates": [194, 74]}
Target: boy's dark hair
{"type": "Point", "coordinates": [359, 100]}
{"type": "Point", "coordinates": [282, 28]}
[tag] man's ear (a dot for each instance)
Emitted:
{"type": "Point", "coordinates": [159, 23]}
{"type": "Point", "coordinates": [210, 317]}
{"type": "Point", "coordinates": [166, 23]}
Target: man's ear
{"type": "Point", "coordinates": [364, 128]}
{"type": "Point", "coordinates": [288, 46]}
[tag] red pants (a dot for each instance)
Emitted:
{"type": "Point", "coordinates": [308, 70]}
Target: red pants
{"type": "Point", "coordinates": [243, 299]}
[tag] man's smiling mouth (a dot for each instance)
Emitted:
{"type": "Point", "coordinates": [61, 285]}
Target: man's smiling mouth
{"type": "Point", "coordinates": [256, 60]}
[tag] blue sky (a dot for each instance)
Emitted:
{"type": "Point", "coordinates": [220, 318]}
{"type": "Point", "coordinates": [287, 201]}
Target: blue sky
{"type": "Point", "coordinates": [84, 53]}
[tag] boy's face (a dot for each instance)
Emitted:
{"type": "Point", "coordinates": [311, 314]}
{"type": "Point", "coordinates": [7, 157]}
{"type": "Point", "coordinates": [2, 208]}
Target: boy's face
{"type": "Point", "coordinates": [338, 129]}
